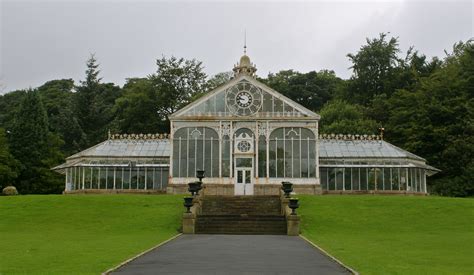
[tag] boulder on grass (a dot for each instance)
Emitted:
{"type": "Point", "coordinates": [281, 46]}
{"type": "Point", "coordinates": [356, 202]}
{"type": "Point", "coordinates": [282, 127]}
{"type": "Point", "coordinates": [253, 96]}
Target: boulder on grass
{"type": "Point", "coordinates": [9, 191]}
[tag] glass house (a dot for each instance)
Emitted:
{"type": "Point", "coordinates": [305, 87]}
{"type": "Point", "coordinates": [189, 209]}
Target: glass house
{"type": "Point", "coordinates": [248, 138]}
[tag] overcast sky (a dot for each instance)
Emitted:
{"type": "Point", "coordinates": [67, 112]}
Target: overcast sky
{"type": "Point", "coordinates": [45, 40]}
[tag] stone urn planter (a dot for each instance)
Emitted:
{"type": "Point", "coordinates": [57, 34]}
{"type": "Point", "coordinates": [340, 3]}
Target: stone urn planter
{"type": "Point", "coordinates": [287, 188]}
{"type": "Point", "coordinates": [188, 203]}
{"type": "Point", "coordinates": [194, 187]}
{"type": "Point", "coordinates": [293, 204]}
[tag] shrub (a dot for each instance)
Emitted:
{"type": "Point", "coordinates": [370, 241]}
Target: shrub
{"type": "Point", "coordinates": [9, 191]}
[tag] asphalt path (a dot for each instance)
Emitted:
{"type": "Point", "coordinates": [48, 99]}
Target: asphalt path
{"type": "Point", "coordinates": [233, 254]}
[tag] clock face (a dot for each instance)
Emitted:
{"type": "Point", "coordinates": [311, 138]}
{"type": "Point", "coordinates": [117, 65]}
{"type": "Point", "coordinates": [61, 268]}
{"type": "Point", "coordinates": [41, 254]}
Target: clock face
{"type": "Point", "coordinates": [244, 99]}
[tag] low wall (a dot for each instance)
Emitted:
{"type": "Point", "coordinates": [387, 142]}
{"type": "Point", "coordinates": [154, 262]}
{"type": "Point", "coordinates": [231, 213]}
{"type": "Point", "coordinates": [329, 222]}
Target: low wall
{"type": "Point", "coordinates": [216, 189]}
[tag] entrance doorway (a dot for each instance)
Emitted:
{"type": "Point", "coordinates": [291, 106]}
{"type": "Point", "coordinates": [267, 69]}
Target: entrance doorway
{"type": "Point", "coordinates": [243, 176]}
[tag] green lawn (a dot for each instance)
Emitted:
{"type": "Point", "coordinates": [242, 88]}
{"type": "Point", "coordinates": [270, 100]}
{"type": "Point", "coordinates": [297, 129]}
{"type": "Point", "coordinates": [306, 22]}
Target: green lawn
{"type": "Point", "coordinates": [393, 234]}
{"type": "Point", "coordinates": [81, 234]}
{"type": "Point", "coordinates": [373, 234]}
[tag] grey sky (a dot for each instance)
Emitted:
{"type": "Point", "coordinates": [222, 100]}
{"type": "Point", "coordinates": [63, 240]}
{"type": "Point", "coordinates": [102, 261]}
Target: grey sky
{"type": "Point", "coordinates": [41, 40]}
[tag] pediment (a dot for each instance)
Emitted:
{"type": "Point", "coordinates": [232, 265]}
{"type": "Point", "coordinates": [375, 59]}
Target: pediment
{"type": "Point", "coordinates": [246, 97]}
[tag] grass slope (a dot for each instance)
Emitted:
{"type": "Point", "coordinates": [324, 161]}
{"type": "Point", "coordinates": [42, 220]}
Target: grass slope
{"type": "Point", "coordinates": [393, 234]}
{"type": "Point", "coordinates": [81, 234]}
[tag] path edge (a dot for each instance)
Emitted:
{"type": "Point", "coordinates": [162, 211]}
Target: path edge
{"type": "Point", "coordinates": [330, 256]}
{"type": "Point", "coordinates": [139, 255]}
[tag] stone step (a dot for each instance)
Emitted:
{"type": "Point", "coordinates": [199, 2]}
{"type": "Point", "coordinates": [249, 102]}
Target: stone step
{"type": "Point", "coordinates": [241, 215]}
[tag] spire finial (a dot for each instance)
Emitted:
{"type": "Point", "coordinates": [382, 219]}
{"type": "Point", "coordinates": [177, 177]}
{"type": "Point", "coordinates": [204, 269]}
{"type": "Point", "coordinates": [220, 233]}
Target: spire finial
{"type": "Point", "coordinates": [245, 41]}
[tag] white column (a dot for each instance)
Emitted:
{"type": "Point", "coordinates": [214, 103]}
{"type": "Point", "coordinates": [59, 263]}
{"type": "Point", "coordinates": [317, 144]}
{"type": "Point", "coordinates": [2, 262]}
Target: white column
{"type": "Point", "coordinates": [172, 150]}
{"type": "Point", "coordinates": [317, 151]}
{"type": "Point", "coordinates": [267, 139]}
{"type": "Point", "coordinates": [220, 149]}
{"type": "Point", "coordinates": [65, 181]}
{"type": "Point", "coordinates": [257, 137]}
{"type": "Point", "coordinates": [115, 171]}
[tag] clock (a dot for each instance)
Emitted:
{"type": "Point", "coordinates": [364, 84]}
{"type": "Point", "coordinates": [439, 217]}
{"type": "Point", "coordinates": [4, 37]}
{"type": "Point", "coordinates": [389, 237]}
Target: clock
{"type": "Point", "coordinates": [244, 99]}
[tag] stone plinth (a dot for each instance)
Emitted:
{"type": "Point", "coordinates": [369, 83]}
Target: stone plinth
{"type": "Point", "coordinates": [293, 225]}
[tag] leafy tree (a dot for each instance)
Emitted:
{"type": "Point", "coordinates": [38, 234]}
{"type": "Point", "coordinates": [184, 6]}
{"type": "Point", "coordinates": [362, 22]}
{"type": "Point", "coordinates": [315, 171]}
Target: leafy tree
{"type": "Point", "coordinates": [35, 147]}
{"type": "Point", "coordinates": [437, 121]}
{"type": "Point", "coordinates": [218, 80]}
{"type": "Point", "coordinates": [9, 105]}
{"type": "Point", "coordinates": [374, 65]}
{"type": "Point", "coordinates": [8, 164]}
{"type": "Point", "coordinates": [340, 117]}
{"type": "Point", "coordinates": [312, 89]}
{"type": "Point", "coordinates": [57, 97]}
{"type": "Point", "coordinates": [147, 102]}
{"type": "Point", "coordinates": [137, 109]}
{"type": "Point", "coordinates": [177, 82]}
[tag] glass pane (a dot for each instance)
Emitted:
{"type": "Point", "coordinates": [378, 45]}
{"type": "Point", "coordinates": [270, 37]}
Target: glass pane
{"type": "Point", "coordinates": [371, 178]}
{"type": "Point", "coordinates": [118, 178]}
{"type": "Point", "coordinates": [164, 178]}
{"type": "Point", "coordinates": [339, 178]}
{"type": "Point", "coordinates": [225, 157]}
{"type": "Point", "coordinates": [149, 178]}
{"type": "Point", "coordinates": [332, 179]}
{"type": "Point", "coordinates": [239, 176]}
{"type": "Point", "coordinates": [395, 178]}
{"type": "Point", "coordinates": [355, 178]}
{"type": "Point", "coordinates": [126, 178]}
{"type": "Point", "coordinates": [262, 156]}
{"type": "Point", "coordinates": [141, 178]}
{"type": "Point", "coordinates": [247, 176]}
{"type": "Point", "coordinates": [323, 172]}
{"type": "Point", "coordinates": [363, 178]}
{"type": "Point", "coordinates": [347, 179]}
{"type": "Point", "coordinates": [110, 178]}
{"type": "Point", "coordinates": [243, 162]}
{"type": "Point", "coordinates": [95, 177]}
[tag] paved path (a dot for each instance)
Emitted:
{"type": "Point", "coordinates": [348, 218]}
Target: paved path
{"type": "Point", "coordinates": [233, 254]}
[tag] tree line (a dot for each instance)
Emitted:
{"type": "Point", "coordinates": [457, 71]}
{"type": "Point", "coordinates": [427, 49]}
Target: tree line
{"type": "Point", "coordinates": [425, 106]}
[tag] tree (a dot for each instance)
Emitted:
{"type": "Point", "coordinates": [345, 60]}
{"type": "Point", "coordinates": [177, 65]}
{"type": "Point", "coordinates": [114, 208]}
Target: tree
{"type": "Point", "coordinates": [136, 111]}
{"type": "Point", "coordinates": [312, 89]}
{"type": "Point", "coordinates": [35, 147]}
{"type": "Point", "coordinates": [93, 104]}
{"type": "Point", "coordinates": [57, 97]}
{"type": "Point", "coordinates": [340, 117]}
{"type": "Point", "coordinates": [176, 83]}
{"type": "Point", "coordinates": [218, 80]}
{"type": "Point", "coordinates": [436, 120]}
{"type": "Point", "coordinates": [374, 65]}
{"type": "Point", "coordinates": [8, 164]}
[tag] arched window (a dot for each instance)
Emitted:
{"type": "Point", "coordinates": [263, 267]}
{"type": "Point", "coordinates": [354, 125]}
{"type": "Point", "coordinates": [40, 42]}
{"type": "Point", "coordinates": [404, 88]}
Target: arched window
{"type": "Point", "coordinates": [292, 153]}
{"type": "Point", "coordinates": [195, 148]}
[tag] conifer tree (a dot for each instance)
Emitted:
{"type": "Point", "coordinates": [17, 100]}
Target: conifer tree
{"type": "Point", "coordinates": [35, 147]}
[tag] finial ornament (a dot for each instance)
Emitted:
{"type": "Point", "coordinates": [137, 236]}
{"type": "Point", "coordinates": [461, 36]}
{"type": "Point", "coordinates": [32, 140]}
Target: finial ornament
{"type": "Point", "coordinates": [245, 67]}
{"type": "Point", "coordinates": [245, 42]}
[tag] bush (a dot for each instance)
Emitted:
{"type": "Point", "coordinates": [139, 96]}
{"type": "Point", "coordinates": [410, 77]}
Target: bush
{"type": "Point", "coordinates": [9, 191]}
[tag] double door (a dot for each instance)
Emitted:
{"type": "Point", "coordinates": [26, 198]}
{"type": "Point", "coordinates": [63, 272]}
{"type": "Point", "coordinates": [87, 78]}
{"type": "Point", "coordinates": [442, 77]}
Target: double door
{"type": "Point", "coordinates": [243, 176]}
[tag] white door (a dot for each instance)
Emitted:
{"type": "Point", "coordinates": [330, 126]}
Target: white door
{"type": "Point", "coordinates": [243, 183]}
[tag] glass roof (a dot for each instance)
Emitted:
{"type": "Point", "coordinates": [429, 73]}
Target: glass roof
{"type": "Point", "coordinates": [328, 148]}
{"type": "Point", "coordinates": [332, 148]}
{"type": "Point", "coordinates": [128, 148]}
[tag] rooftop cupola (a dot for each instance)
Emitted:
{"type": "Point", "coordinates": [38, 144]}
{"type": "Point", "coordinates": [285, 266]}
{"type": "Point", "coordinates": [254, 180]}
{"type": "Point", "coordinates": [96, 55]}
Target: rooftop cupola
{"type": "Point", "coordinates": [245, 66]}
